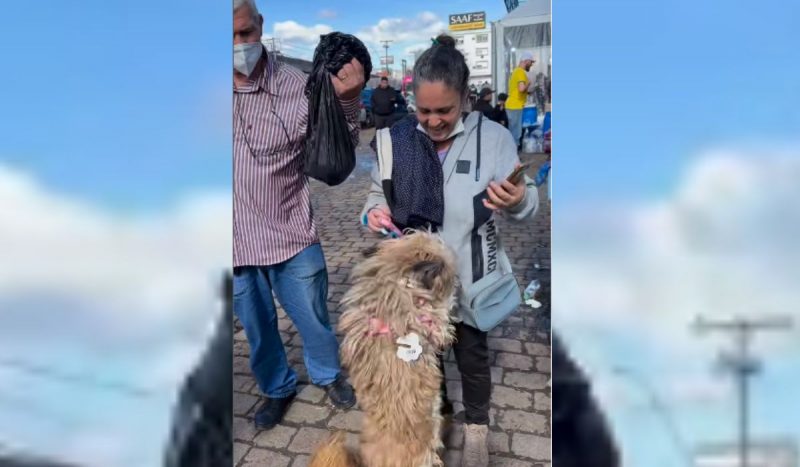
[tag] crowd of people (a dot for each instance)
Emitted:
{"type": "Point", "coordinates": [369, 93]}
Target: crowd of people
{"type": "Point", "coordinates": [507, 111]}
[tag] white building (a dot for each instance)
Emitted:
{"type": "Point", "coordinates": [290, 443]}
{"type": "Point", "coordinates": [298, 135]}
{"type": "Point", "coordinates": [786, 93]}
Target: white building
{"type": "Point", "coordinates": [476, 45]}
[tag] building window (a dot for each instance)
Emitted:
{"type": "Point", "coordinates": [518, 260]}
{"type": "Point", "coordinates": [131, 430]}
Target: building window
{"type": "Point", "coordinates": [480, 38]}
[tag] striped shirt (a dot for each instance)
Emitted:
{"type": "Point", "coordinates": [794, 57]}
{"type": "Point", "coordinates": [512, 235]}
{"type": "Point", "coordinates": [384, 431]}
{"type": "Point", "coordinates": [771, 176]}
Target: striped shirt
{"type": "Point", "coordinates": [272, 218]}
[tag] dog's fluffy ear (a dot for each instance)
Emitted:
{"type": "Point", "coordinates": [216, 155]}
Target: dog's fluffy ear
{"type": "Point", "coordinates": [370, 251]}
{"type": "Point", "coordinates": [426, 272]}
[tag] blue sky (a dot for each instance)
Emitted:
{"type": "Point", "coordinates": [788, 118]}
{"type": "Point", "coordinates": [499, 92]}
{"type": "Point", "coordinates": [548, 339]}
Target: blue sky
{"type": "Point", "coordinates": [651, 83]}
{"type": "Point", "coordinates": [124, 103]}
{"type": "Point", "coordinates": [361, 15]}
{"type": "Point", "coordinates": [676, 144]}
{"type": "Point", "coordinates": [115, 179]}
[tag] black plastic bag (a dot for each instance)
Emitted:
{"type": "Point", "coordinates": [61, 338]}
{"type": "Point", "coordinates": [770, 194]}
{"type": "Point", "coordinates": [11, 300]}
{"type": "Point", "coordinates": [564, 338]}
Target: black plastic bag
{"type": "Point", "coordinates": [329, 152]}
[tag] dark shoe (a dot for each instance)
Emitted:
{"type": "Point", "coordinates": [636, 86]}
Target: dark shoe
{"type": "Point", "coordinates": [272, 411]}
{"type": "Point", "coordinates": [341, 393]}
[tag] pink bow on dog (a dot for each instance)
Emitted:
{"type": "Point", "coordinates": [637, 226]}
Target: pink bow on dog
{"type": "Point", "coordinates": [378, 328]}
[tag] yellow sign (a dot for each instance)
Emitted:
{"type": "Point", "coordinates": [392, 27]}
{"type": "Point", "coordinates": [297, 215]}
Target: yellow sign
{"type": "Point", "coordinates": [468, 21]}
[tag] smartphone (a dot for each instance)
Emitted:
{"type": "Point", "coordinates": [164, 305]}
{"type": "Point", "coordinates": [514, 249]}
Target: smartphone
{"type": "Point", "coordinates": [516, 175]}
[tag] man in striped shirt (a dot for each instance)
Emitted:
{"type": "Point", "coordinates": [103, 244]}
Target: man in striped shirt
{"type": "Point", "coordinates": [276, 246]}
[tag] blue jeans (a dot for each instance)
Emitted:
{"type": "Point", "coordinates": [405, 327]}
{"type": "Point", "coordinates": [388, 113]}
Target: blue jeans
{"type": "Point", "coordinates": [301, 286]}
{"type": "Point", "coordinates": [515, 124]}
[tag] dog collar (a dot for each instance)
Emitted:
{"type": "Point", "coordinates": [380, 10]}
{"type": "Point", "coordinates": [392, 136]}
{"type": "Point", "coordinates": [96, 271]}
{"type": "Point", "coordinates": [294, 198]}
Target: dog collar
{"type": "Point", "coordinates": [377, 327]}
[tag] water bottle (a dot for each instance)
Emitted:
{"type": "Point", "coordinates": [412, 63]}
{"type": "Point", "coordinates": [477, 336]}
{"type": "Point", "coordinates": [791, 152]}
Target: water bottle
{"type": "Point", "coordinates": [530, 141]}
{"type": "Point", "coordinates": [532, 289]}
{"type": "Point", "coordinates": [541, 176]}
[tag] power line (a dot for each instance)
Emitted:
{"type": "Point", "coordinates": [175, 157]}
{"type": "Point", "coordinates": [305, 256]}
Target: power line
{"type": "Point", "coordinates": [742, 364]}
{"type": "Point", "coordinates": [298, 47]}
{"type": "Point", "coordinates": [270, 44]}
{"type": "Point", "coordinates": [299, 44]}
{"type": "Point", "coordinates": [660, 408]}
{"type": "Point", "coordinates": [85, 379]}
{"type": "Point", "coordinates": [28, 407]}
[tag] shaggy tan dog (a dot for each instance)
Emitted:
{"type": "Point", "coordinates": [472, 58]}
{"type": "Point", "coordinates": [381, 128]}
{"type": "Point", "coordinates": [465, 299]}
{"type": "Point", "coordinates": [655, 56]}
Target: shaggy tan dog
{"type": "Point", "coordinates": [403, 292]}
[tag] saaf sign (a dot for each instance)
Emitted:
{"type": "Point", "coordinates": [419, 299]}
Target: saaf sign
{"type": "Point", "coordinates": [467, 21]}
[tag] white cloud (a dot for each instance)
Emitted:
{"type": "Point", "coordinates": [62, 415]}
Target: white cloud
{"type": "Point", "coordinates": [630, 275]}
{"type": "Point", "coordinates": [136, 270]}
{"type": "Point", "coordinates": [629, 278]}
{"type": "Point", "coordinates": [97, 448]}
{"type": "Point", "coordinates": [147, 285]}
{"type": "Point", "coordinates": [406, 34]}
{"type": "Point", "coordinates": [419, 29]}
{"type": "Point", "coordinates": [723, 244]}
{"type": "Point", "coordinates": [296, 33]}
{"type": "Point", "coordinates": [419, 46]}
{"type": "Point", "coordinates": [327, 13]}
{"type": "Point", "coordinates": [699, 389]}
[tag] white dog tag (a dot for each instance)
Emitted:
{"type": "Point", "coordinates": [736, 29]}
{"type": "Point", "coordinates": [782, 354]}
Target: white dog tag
{"type": "Point", "coordinates": [409, 348]}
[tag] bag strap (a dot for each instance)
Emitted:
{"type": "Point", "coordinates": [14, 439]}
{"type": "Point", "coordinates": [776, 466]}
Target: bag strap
{"type": "Point", "coordinates": [383, 144]}
{"type": "Point", "coordinates": [478, 159]}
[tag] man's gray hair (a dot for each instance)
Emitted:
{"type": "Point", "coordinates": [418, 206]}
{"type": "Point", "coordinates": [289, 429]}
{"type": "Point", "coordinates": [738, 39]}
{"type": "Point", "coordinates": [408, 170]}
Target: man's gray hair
{"type": "Point", "coordinates": [251, 4]}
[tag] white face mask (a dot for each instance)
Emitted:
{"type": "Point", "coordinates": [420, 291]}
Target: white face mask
{"type": "Point", "coordinates": [459, 128]}
{"type": "Point", "coordinates": [245, 57]}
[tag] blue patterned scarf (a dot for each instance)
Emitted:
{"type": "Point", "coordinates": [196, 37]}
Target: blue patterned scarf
{"type": "Point", "coordinates": [416, 192]}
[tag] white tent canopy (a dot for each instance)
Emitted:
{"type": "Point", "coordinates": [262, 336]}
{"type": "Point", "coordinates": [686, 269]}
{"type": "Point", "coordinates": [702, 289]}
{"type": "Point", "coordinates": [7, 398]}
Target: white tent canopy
{"type": "Point", "coordinates": [526, 28]}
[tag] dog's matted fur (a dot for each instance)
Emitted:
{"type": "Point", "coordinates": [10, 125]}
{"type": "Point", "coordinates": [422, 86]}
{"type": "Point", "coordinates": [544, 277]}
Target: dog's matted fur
{"type": "Point", "coordinates": [407, 286]}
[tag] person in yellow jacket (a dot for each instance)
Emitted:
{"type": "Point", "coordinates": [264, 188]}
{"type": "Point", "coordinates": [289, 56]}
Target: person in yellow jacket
{"type": "Point", "coordinates": [518, 94]}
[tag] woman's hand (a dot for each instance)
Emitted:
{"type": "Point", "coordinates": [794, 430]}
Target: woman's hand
{"type": "Point", "coordinates": [505, 195]}
{"type": "Point", "coordinates": [349, 82]}
{"type": "Point", "coordinates": [379, 219]}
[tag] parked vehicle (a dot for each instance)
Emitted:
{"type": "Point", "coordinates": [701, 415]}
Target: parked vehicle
{"type": "Point", "coordinates": [411, 103]}
{"type": "Point", "coordinates": [365, 116]}
{"type": "Point", "coordinates": [401, 108]}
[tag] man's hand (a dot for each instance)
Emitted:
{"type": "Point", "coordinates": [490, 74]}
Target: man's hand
{"type": "Point", "coordinates": [505, 195]}
{"type": "Point", "coordinates": [349, 82]}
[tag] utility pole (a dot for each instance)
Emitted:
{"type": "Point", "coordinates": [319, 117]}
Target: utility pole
{"type": "Point", "coordinates": [742, 364]}
{"type": "Point", "coordinates": [403, 78]}
{"type": "Point", "coordinates": [270, 45]}
{"type": "Point", "coordinates": [386, 54]}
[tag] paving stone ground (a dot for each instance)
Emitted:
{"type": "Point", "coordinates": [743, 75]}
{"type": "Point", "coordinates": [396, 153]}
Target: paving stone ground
{"type": "Point", "coordinates": [519, 348]}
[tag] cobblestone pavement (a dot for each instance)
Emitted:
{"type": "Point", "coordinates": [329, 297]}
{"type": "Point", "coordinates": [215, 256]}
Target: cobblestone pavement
{"type": "Point", "coordinates": [519, 348]}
